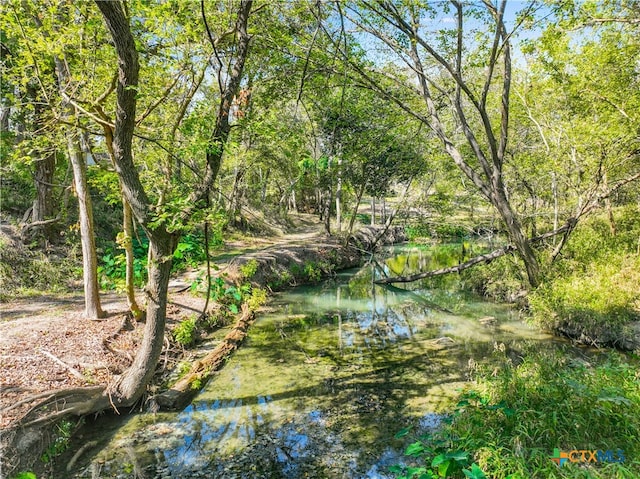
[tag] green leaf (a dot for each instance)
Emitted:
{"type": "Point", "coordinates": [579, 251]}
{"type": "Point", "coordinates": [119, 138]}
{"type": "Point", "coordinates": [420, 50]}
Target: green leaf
{"type": "Point", "coordinates": [443, 468]}
{"type": "Point", "coordinates": [396, 469]}
{"type": "Point", "coordinates": [413, 471]}
{"type": "Point", "coordinates": [439, 459]}
{"type": "Point", "coordinates": [458, 456]}
{"type": "Point", "coordinates": [474, 473]}
{"type": "Point", "coordinates": [233, 308]}
{"type": "Point", "coordinates": [403, 432]}
{"type": "Point", "coordinates": [414, 449]}
{"type": "Point", "coordinates": [26, 475]}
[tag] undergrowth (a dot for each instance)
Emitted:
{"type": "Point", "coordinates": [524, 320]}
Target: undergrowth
{"type": "Point", "coordinates": [27, 272]}
{"type": "Point", "coordinates": [592, 292]}
{"type": "Point", "coordinates": [515, 417]}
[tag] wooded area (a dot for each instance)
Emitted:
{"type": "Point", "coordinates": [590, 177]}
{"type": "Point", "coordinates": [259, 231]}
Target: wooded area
{"type": "Point", "coordinates": [135, 130]}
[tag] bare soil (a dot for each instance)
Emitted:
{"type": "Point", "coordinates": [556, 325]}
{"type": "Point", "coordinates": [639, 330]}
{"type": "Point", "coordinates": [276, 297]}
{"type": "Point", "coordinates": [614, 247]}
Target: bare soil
{"type": "Point", "coordinates": [46, 344]}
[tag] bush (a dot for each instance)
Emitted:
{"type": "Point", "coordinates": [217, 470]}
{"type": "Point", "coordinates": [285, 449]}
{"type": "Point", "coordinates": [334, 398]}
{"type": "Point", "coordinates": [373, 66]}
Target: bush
{"type": "Point", "coordinates": [185, 333]}
{"type": "Point", "coordinates": [24, 272]}
{"type": "Point", "coordinates": [595, 303]}
{"type": "Point", "coordinates": [515, 417]}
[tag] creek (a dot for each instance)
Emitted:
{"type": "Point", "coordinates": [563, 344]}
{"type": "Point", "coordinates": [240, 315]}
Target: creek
{"type": "Point", "coordinates": [326, 378]}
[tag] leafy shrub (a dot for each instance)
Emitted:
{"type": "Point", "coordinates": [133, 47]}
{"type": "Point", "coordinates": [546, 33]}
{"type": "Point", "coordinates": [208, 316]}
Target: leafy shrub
{"type": "Point", "coordinates": [60, 442]}
{"type": "Point", "coordinates": [229, 296]}
{"type": "Point", "coordinates": [25, 272]}
{"type": "Point", "coordinates": [440, 460]}
{"type": "Point", "coordinates": [249, 269]}
{"type": "Point", "coordinates": [596, 302]}
{"type": "Point", "coordinates": [312, 271]}
{"type": "Point", "coordinates": [418, 231]}
{"type": "Point", "coordinates": [25, 475]}
{"type": "Point", "coordinates": [592, 290]}
{"type": "Point", "coordinates": [185, 333]}
{"type": "Point", "coordinates": [258, 298]}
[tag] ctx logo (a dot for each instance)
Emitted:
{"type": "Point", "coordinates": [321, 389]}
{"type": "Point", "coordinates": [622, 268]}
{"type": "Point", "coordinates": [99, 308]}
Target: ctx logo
{"type": "Point", "coordinates": [587, 456]}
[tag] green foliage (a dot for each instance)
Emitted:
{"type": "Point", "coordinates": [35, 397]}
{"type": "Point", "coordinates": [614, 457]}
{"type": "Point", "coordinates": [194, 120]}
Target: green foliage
{"type": "Point", "coordinates": [312, 271]}
{"type": "Point", "coordinates": [25, 272]}
{"type": "Point", "coordinates": [25, 475]}
{"type": "Point", "coordinates": [283, 278]}
{"type": "Point", "coordinates": [592, 291]}
{"type": "Point", "coordinates": [418, 231]}
{"type": "Point", "coordinates": [439, 458]}
{"type": "Point", "coordinates": [503, 279]}
{"type": "Point", "coordinates": [229, 296]}
{"type": "Point", "coordinates": [113, 267]}
{"type": "Point", "coordinates": [60, 442]}
{"type": "Point", "coordinates": [517, 415]}
{"type": "Point", "coordinates": [189, 253]}
{"type": "Point", "coordinates": [186, 332]}
{"type": "Point", "coordinates": [258, 298]}
{"type": "Point", "coordinates": [249, 269]}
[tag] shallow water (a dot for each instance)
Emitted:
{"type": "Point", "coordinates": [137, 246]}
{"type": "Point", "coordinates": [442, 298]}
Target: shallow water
{"type": "Point", "coordinates": [323, 383]}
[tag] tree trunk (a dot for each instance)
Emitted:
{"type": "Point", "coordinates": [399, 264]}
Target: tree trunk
{"type": "Point", "coordinates": [609, 208]}
{"type": "Point", "coordinates": [339, 197]}
{"type": "Point", "coordinates": [127, 231]}
{"type": "Point", "coordinates": [326, 206]}
{"type": "Point", "coordinates": [133, 382]}
{"type": "Point", "coordinates": [517, 236]}
{"type": "Point", "coordinates": [92, 308]}
{"type": "Point", "coordinates": [43, 175]}
{"type": "Point", "coordinates": [355, 209]}
{"type": "Point", "coordinates": [373, 210]}
{"type": "Point", "coordinates": [43, 202]}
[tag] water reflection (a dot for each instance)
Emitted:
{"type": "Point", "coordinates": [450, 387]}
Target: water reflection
{"type": "Point", "coordinates": [323, 382]}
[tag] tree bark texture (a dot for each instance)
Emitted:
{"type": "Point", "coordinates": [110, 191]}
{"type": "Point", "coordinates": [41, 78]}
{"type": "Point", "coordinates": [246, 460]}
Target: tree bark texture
{"type": "Point", "coordinates": [43, 176]}
{"type": "Point", "coordinates": [92, 307]}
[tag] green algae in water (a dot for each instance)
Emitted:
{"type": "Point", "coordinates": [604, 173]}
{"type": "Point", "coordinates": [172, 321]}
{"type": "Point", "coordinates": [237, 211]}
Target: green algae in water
{"type": "Point", "coordinates": [324, 382]}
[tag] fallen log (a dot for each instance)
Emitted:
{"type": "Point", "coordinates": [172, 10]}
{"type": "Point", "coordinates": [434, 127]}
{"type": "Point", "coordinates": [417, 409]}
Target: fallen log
{"type": "Point", "coordinates": [484, 258]}
{"type": "Point", "coordinates": [201, 371]}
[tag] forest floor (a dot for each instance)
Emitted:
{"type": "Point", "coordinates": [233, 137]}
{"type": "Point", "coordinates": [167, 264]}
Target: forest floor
{"type": "Point", "coordinates": [46, 344]}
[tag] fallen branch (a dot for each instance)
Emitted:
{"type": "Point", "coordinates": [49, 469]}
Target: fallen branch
{"type": "Point", "coordinates": [80, 452]}
{"type": "Point", "coordinates": [484, 258]}
{"type": "Point", "coordinates": [59, 361]}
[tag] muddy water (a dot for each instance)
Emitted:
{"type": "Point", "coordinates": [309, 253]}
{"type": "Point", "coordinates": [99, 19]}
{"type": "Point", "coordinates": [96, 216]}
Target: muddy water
{"type": "Point", "coordinates": [323, 383]}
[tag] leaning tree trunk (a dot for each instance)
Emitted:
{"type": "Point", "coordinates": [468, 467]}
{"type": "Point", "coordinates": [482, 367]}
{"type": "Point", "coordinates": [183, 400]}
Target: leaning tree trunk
{"type": "Point", "coordinates": [133, 382]}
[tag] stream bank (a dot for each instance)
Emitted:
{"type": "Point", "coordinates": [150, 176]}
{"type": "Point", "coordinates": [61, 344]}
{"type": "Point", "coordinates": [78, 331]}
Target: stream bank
{"type": "Point", "coordinates": [22, 450]}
